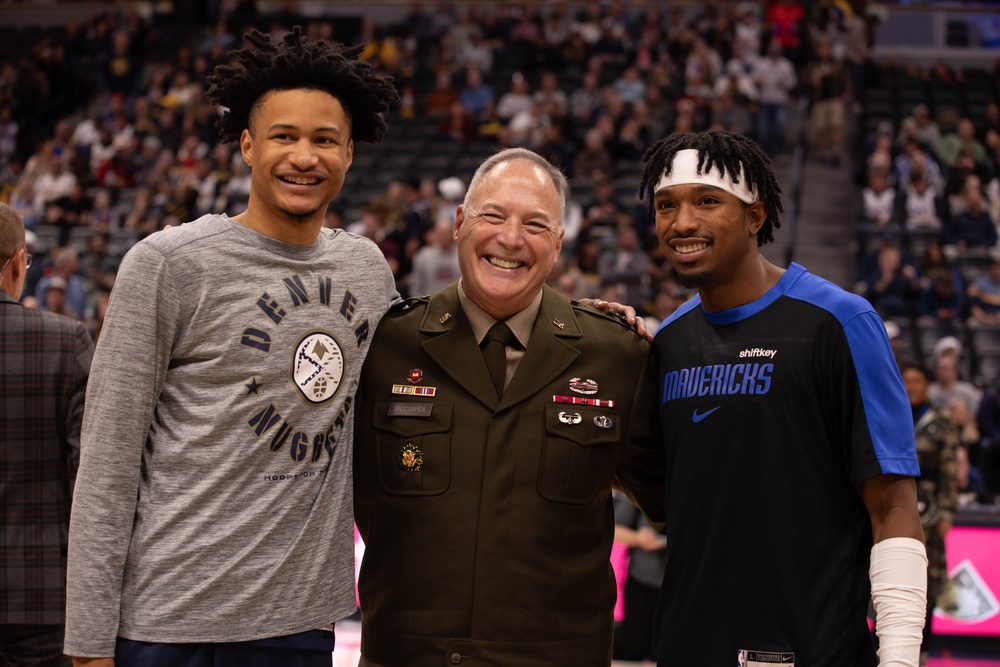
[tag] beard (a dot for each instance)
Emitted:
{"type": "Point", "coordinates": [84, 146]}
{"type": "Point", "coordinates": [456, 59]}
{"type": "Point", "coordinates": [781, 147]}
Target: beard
{"type": "Point", "coordinates": [693, 280]}
{"type": "Point", "coordinates": [298, 216]}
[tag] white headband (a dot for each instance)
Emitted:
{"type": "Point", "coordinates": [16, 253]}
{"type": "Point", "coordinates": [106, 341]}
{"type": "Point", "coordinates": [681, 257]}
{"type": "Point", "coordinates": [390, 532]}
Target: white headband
{"type": "Point", "coordinates": [685, 170]}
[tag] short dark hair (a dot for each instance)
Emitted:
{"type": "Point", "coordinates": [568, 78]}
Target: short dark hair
{"type": "Point", "coordinates": [297, 62]}
{"type": "Point", "coordinates": [729, 153]}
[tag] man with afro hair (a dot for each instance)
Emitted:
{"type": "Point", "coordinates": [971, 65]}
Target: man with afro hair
{"type": "Point", "coordinates": [213, 518]}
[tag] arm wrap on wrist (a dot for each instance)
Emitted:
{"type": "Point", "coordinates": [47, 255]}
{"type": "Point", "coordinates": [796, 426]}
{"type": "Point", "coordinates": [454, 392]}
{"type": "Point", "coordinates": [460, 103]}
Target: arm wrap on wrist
{"type": "Point", "coordinates": [899, 592]}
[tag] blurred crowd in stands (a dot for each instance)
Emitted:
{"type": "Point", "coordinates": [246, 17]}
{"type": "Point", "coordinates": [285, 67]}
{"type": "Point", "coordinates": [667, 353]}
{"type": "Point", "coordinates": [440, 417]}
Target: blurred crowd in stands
{"type": "Point", "coordinates": [105, 137]}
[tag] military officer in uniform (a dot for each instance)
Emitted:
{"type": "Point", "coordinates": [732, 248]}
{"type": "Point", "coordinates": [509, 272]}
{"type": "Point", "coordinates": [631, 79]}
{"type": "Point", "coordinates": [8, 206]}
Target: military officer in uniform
{"type": "Point", "coordinates": [484, 496]}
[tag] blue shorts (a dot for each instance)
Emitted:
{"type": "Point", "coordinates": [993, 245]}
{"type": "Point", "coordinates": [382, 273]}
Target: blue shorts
{"type": "Point", "coordinates": [313, 648]}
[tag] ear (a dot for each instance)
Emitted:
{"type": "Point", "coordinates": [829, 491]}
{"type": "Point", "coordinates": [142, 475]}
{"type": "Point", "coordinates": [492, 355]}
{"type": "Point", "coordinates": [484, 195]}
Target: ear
{"type": "Point", "coordinates": [349, 155]}
{"type": "Point", "coordinates": [756, 216]}
{"type": "Point", "coordinates": [246, 147]}
{"type": "Point", "coordinates": [459, 221]}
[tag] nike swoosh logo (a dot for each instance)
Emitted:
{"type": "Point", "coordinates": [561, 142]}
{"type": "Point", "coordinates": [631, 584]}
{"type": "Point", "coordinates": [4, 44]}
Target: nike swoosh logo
{"type": "Point", "coordinates": [695, 417]}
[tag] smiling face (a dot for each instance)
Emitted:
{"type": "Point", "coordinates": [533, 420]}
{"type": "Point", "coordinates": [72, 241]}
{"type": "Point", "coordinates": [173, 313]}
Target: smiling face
{"type": "Point", "coordinates": [708, 235]}
{"type": "Point", "coordinates": [509, 235]}
{"type": "Point", "coordinates": [299, 149]}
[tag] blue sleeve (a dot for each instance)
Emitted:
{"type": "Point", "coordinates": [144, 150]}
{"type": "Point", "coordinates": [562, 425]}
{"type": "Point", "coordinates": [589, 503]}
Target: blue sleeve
{"type": "Point", "coordinates": [886, 407]}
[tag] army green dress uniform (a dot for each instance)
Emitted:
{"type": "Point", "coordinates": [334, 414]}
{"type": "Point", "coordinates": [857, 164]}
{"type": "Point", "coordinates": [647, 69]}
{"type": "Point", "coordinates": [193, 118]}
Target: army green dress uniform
{"type": "Point", "coordinates": [488, 522]}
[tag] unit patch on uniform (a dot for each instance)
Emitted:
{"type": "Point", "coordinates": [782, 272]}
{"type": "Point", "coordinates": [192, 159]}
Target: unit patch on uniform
{"type": "Point", "coordinates": [416, 376]}
{"type": "Point", "coordinates": [317, 367]}
{"type": "Point", "coordinates": [411, 458]}
{"type": "Point", "coordinates": [587, 386]}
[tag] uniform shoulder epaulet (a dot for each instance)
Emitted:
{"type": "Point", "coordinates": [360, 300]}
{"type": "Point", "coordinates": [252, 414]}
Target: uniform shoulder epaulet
{"type": "Point", "coordinates": [604, 314]}
{"type": "Point", "coordinates": [406, 304]}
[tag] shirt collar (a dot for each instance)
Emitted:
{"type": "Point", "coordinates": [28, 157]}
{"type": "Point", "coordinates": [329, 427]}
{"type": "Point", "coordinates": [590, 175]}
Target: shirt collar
{"type": "Point", "coordinates": [520, 322]}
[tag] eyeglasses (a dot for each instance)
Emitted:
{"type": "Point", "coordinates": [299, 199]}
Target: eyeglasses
{"type": "Point", "coordinates": [27, 259]}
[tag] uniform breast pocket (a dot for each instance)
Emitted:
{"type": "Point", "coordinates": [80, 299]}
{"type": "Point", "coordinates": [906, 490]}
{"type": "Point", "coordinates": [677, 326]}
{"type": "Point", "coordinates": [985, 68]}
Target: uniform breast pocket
{"type": "Point", "coordinates": [413, 452]}
{"type": "Point", "coordinates": [576, 452]}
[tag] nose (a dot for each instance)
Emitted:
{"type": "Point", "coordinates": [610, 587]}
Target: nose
{"type": "Point", "coordinates": [511, 232]}
{"type": "Point", "coordinates": [303, 155]}
{"type": "Point", "coordinates": [685, 221]}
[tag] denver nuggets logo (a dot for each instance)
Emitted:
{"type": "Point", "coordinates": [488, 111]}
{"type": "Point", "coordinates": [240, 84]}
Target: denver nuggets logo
{"type": "Point", "coordinates": [317, 367]}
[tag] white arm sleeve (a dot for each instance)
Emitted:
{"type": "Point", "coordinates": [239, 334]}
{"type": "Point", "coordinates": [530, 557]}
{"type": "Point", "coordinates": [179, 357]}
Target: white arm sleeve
{"type": "Point", "coordinates": [899, 592]}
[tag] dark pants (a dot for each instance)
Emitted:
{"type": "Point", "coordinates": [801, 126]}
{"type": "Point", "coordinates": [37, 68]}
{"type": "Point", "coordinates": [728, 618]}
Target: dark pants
{"type": "Point", "coordinates": [305, 649]}
{"type": "Point", "coordinates": [32, 646]}
{"type": "Point", "coordinates": [634, 635]}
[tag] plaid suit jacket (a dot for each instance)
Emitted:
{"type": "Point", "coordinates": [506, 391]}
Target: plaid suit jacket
{"type": "Point", "coordinates": [44, 364]}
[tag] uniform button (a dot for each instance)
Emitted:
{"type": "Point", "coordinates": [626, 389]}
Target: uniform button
{"type": "Point", "coordinates": [455, 658]}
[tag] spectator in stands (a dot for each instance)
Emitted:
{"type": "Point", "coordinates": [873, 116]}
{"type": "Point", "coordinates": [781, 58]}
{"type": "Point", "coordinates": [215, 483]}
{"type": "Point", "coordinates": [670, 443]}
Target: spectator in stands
{"type": "Point", "coordinates": [911, 157]}
{"type": "Point", "coordinates": [964, 420]}
{"type": "Point", "coordinates": [585, 100]}
{"type": "Point", "coordinates": [785, 19]}
{"type": "Point", "coordinates": [920, 205]}
{"type": "Point", "coordinates": [962, 139]}
{"type": "Point", "coordinates": [624, 267]}
{"type": "Point", "coordinates": [435, 264]}
{"type": "Point", "coordinates": [65, 271]}
{"type": "Point", "coordinates": [879, 202]}
{"type": "Point", "coordinates": [893, 290]}
{"type": "Point", "coordinates": [984, 295]}
{"type": "Point", "coordinates": [775, 76]}
{"type": "Point", "coordinates": [940, 299]}
{"type": "Point", "coordinates": [948, 383]}
{"type": "Point", "coordinates": [439, 100]}
{"type": "Point", "coordinates": [828, 88]}
{"type": "Point", "coordinates": [515, 100]}
{"type": "Point", "coordinates": [594, 160]}
{"type": "Point", "coordinates": [476, 53]}
{"type": "Point", "coordinates": [928, 131]}
{"type": "Point", "coordinates": [973, 228]}
{"type": "Point", "coordinates": [458, 125]}
{"type": "Point", "coordinates": [551, 99]}
{"type": "Point", "coordinates": [476, 92]}
{"type": "Point", "coordinates": [970, 481]}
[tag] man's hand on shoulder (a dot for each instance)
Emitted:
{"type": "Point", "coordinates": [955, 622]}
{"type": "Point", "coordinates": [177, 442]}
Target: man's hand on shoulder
{"type": "Point", "coordinates": [626, 313]}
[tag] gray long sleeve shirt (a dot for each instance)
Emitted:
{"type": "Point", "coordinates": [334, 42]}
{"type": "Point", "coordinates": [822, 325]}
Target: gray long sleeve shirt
{"type": "Point", "coordinates": [213, 502]}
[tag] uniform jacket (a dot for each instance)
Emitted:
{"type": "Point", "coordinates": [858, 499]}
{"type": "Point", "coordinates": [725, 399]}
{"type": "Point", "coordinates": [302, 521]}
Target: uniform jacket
{"type": "Point", "coordinates": [44, 364]}
{"type": "Point", "coordinates": [488, 525]}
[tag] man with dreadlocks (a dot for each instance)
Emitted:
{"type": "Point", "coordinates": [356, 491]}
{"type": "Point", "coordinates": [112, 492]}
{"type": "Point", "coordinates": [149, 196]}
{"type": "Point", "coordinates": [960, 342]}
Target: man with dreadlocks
{"type": "Point", "coordinates": [790, 453]}
{"type": "Point", "coordinates": [213, 515]}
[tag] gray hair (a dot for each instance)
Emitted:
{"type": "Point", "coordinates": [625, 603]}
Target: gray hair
{"type": "Point", "coordinates": [11, 232]}
{"type": "Point", "coordinates": [507, 155]}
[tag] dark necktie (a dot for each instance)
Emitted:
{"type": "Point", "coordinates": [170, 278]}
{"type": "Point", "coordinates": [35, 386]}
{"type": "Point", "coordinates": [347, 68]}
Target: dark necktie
{"type": "Point", "coordinates": [495, 353]}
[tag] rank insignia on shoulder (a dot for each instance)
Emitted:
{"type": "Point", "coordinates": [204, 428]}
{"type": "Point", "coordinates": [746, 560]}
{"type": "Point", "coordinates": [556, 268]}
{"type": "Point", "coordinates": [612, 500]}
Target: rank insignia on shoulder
{"type": "Point", "coordinates": [411, 458]}
{"type": "Point", "coordinates": [416, 376]}
{"type": "Point", "coordinates": [406, 304]}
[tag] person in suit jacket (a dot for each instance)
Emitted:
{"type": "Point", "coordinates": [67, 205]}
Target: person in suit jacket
{"type": "Point", "coordinates": [44, 365]}
{"type": "Point", "coordinates": [485, 502]}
